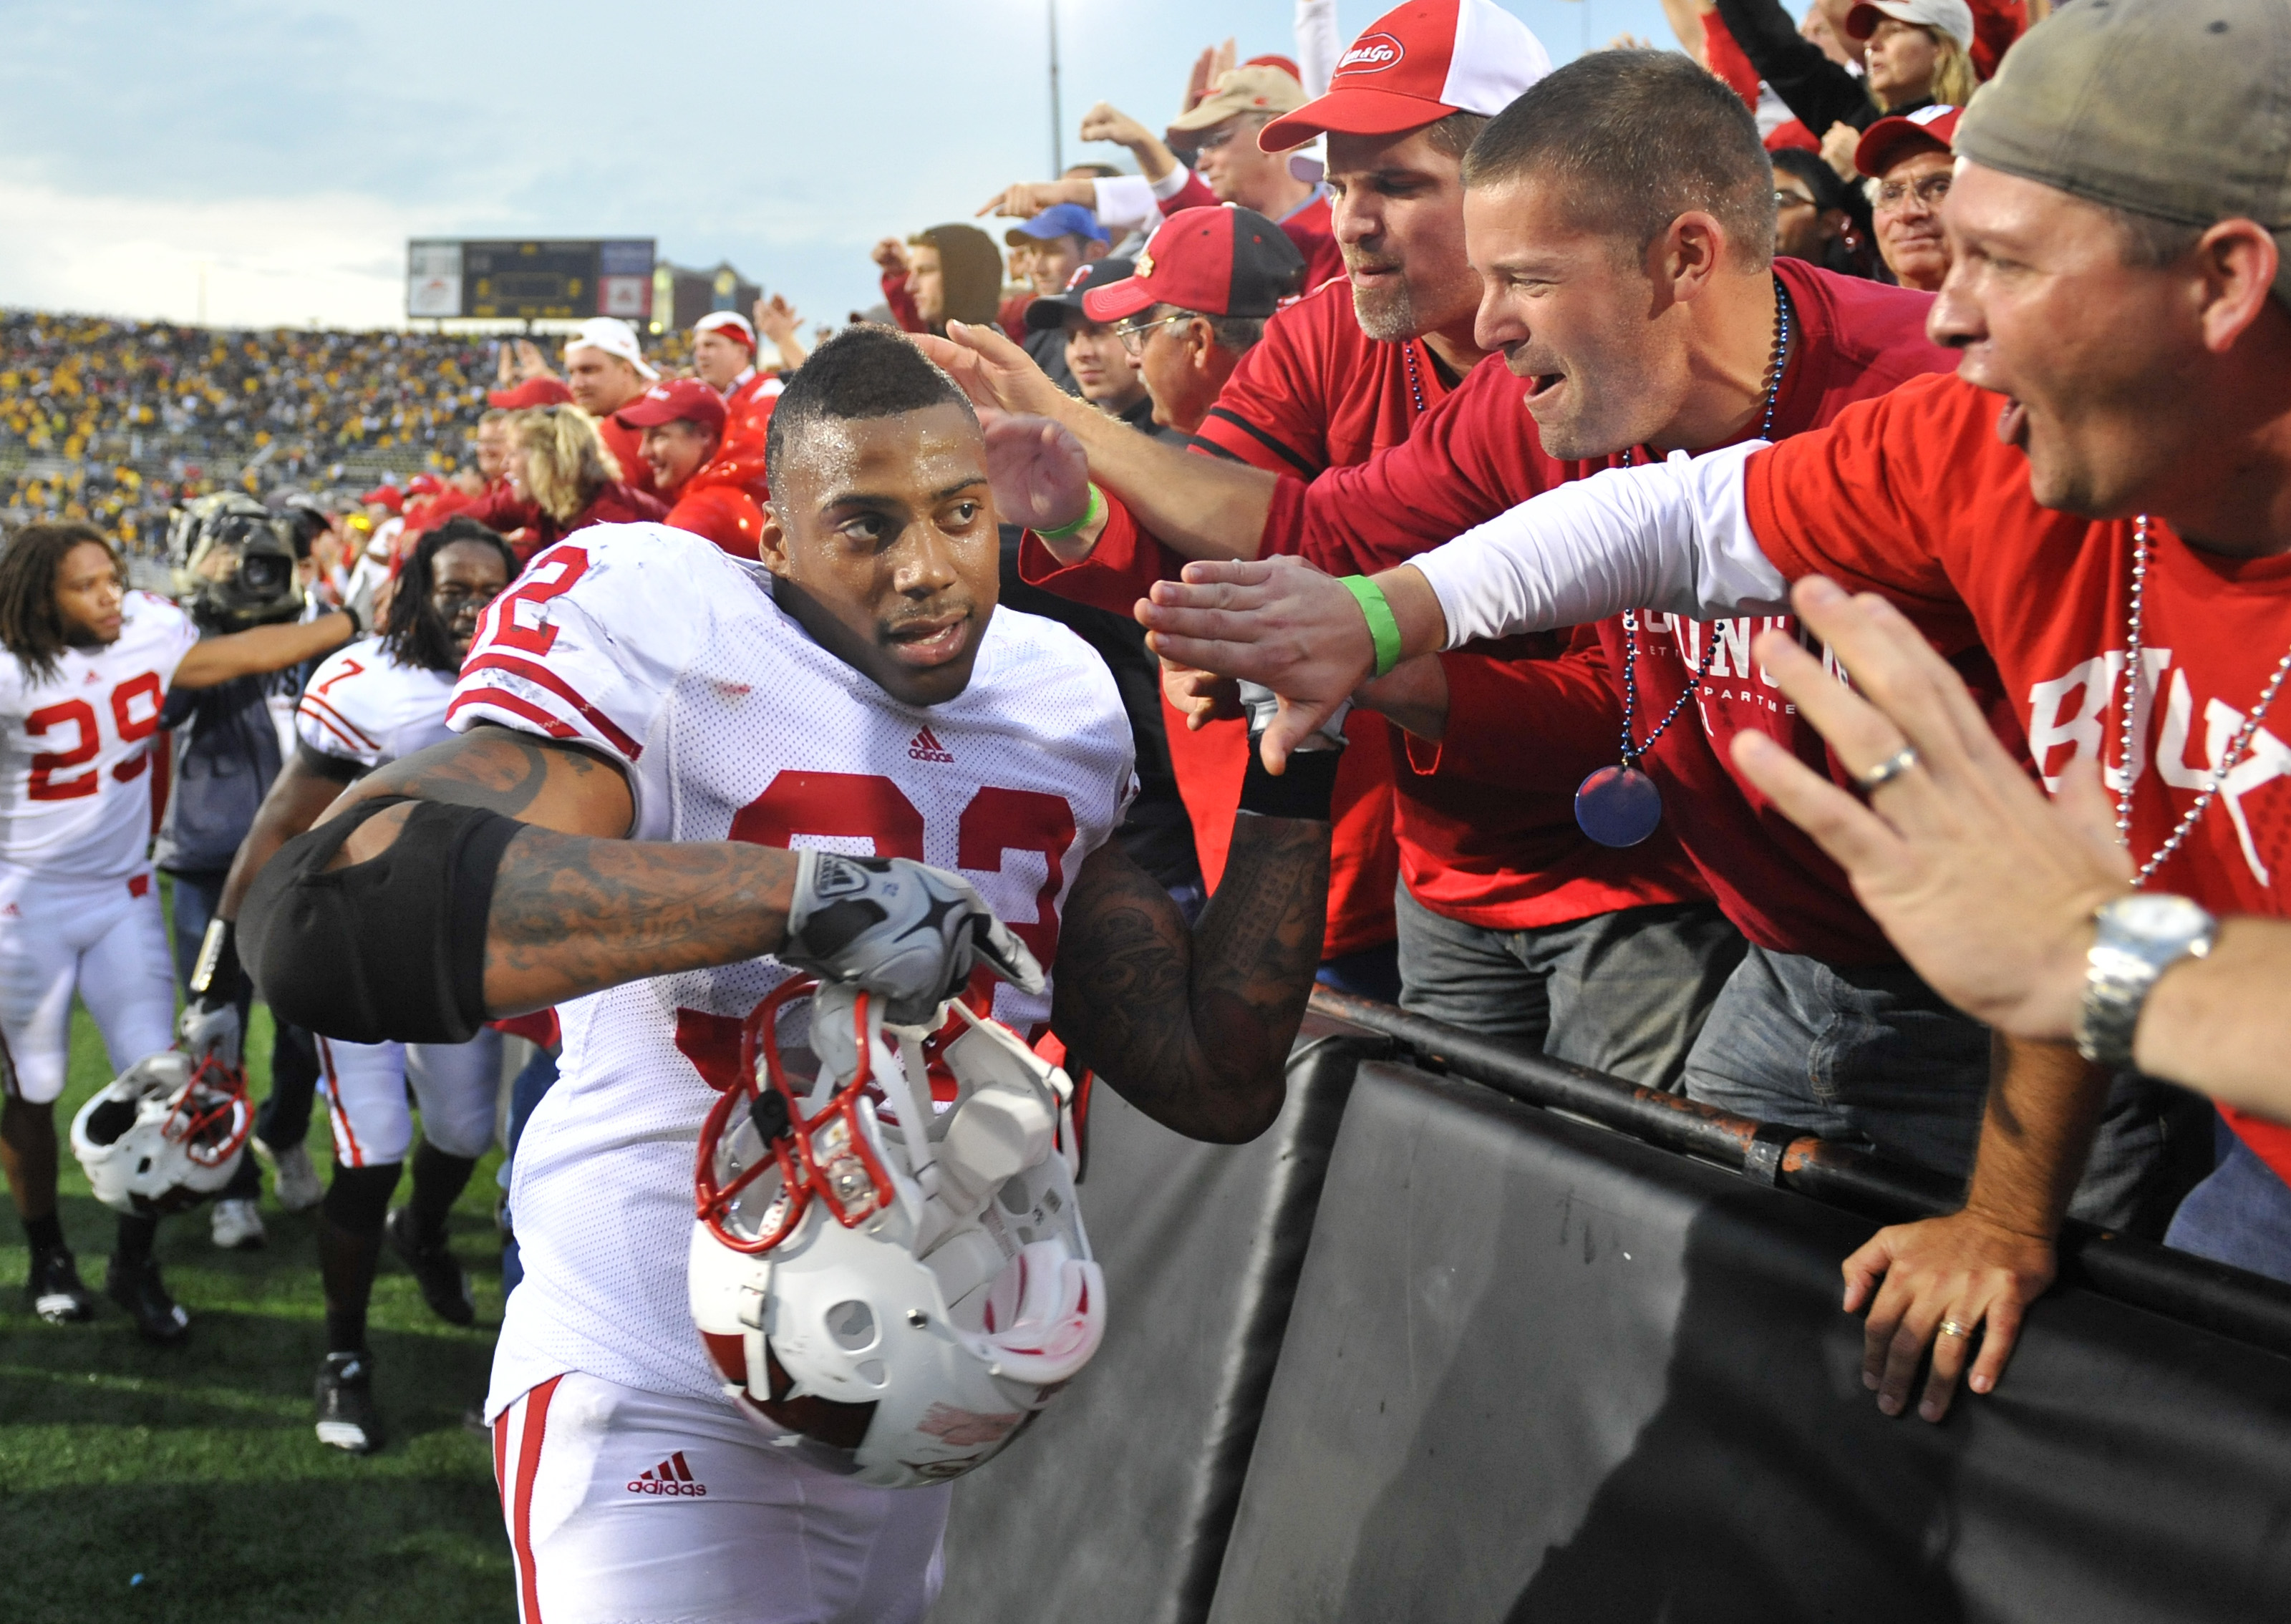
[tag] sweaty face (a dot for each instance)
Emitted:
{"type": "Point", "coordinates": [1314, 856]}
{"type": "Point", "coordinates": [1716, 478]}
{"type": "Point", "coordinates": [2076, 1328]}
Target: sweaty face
{"type": "Point", "coordinates": [881, 533]}
{"type": "Point", "coordinates": [601, 383]}
{"type": "Point", "coordinates": [1572, 310]}
{"type": "Point", "coordinates": [926, 284]}
{"type": "Point", "coordinates": [2098, 361]}
{"type": "Point", "coordinates": [675, 451]}
{"type": "Point", "coordinates": [719, 360]}
{"type": "Point", "coordinates": [1105, 372]}
{"type": "Point", "coordinates": [90, 596]}
{"type": "Point", "coordinates": [1907, 217]}
{"type": "Point", "coordinates": [465, 577]}
{"type": "Point", "coordinates": [1396, 202]}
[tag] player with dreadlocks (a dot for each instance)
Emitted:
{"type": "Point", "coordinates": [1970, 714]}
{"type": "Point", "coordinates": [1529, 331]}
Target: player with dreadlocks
{"type": "Point", "coordinates": [372, 703]}
{"type": "Point", "coordinates": [91, 664]}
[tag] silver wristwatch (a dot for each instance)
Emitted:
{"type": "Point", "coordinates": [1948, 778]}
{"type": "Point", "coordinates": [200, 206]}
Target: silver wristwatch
{"type": "Point", "coordinates": [2140, 937]}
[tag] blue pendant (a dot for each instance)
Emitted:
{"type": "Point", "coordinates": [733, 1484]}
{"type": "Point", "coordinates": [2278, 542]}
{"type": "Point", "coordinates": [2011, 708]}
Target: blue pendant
{"type": "Point", "coordinates": [1619, 806]}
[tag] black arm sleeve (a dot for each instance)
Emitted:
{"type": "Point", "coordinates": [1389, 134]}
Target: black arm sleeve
{"type": "Point", "coordinates": [388, 949]}
{"type": "Point", "coordinates": [1814, 88]}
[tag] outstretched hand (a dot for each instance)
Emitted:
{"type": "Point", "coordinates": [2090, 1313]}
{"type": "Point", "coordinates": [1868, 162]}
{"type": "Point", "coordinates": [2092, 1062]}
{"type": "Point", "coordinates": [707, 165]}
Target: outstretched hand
{"type": "Point", "coordinates": [992, 371]}
{"type": "Point", "coordinates": [1278, 622]}
{"type": "Point", "coordinates": [1027, 198]}
{"type": "Point", "coordinates": [1039, 471]}
{"type": "Point", "coordinates": [1987, 887]}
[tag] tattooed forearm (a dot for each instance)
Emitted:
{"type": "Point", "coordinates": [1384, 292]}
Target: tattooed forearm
{"type": "Point", "coordinates": [573, 913]}
{"type": "Point", "coordinates": [1194, 1027]}
{"type": "Point", "coordinates": [557, 786]}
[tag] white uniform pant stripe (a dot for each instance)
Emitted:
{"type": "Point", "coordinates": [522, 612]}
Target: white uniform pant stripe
{"type": "Point", "coordinates": [105, 939]}
{"type": "Point", "coordinates": [455, 1084]}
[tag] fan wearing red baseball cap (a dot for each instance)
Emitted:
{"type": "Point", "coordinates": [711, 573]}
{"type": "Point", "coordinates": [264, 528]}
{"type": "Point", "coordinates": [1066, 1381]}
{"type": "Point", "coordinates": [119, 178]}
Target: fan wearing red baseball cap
{"type": "Point", "coordinates": [714, 483]}
{"type": "Point", "coordinates": [1910, 160]}
{"type": "Point", "coordinates": [724, 357]}
{"type": "Point", "coordinates": [1350, 371]}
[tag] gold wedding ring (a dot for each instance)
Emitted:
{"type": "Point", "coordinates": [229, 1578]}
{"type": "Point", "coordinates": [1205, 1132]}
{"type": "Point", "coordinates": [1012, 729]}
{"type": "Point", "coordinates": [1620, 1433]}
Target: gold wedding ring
{"type": "Point", "coordinates": [1884, 773]}
{"type": "Point", "coordinates": [1949, 1327]}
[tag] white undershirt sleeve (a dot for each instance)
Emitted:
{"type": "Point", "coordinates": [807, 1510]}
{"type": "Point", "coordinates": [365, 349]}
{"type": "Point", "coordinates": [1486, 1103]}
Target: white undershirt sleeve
{"type": "Point", "coordinates": [1669, 536]}
{"type": "Point", "coordinates": [1125, 200]}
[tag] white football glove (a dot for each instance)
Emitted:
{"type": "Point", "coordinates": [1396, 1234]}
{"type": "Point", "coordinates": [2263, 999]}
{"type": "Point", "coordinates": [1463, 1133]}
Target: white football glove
{"type": "Point", "coordinates": [1261, 705]}
{"type": "Point", "coordinates": [906, 931]}
{"type": "Point", "coordinates": [204, 1031]}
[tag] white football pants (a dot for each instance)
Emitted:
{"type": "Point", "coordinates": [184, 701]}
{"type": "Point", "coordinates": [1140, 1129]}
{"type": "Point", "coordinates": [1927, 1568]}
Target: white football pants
{"type": "Point", "coordinates": [455, 1084]}
{"type": "Point", "coordinates": [627, 1505]}
{"type": "Point", "coordinates": [106, 940]}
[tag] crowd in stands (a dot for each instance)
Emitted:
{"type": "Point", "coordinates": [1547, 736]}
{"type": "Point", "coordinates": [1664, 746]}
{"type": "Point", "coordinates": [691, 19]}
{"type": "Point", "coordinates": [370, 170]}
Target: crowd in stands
{"type": "Point", "coordinates": [1263, 336]}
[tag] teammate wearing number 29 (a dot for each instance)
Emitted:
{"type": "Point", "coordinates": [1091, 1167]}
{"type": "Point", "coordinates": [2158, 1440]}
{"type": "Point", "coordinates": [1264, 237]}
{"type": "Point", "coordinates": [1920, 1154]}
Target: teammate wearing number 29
{"type": "Point", "coordinates": [682, 778]}
{"type": "Point", "coordinates": [79, 912]}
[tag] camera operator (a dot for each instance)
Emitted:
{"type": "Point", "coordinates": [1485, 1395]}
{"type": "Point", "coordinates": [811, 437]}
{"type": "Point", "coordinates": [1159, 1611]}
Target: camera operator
{"type": "Point", "coordinates": [237, 565]}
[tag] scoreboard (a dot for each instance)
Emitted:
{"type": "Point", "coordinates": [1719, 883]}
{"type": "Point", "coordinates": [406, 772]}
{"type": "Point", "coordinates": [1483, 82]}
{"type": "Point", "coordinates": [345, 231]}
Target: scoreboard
{"type": "Point", "coordinates": [545, 279]}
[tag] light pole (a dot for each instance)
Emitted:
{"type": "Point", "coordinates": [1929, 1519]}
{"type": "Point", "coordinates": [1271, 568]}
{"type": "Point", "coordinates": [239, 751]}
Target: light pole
{"type": "Point", "coordinates": [1057, 119]}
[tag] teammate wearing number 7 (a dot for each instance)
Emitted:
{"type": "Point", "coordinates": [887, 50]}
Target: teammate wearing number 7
{"type": "Point", "coordinates": [80, 766]}
{"type": "Point", "coordinates": [683, 777]}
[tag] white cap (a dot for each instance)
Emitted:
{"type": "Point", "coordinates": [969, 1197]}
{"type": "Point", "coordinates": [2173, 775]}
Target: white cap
{"type": "Point", "coordinates": [718, 319]}
{"type": "Point", "coordinates": [614, 337]}
{"type": "Point", "coordinates": [1953, 18]}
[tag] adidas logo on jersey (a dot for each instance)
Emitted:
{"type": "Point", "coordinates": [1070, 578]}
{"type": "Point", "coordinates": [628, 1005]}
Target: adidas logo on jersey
{"type": "Point", "coordinates": [924, 747]}
{"type": "Point", "coordinates": [672, 1476]}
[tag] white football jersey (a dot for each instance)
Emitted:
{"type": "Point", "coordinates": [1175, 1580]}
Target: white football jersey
{"type": "Point", "coordinates": [363, 706]}
{"type": "Point", "coordinates": [659, 650]}
{"type": "Point", "coordinates": [76, 751]}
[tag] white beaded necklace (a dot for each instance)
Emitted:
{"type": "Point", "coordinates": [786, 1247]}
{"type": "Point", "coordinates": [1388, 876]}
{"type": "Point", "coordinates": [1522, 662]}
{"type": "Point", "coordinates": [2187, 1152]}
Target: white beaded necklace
{"type": "Point", "coordinates": [2131, 676]}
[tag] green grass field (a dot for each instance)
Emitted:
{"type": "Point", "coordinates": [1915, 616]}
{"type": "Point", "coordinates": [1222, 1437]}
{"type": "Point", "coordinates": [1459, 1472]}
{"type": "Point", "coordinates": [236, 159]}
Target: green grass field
{"type": "Point", "coordinates": [195, 1468]}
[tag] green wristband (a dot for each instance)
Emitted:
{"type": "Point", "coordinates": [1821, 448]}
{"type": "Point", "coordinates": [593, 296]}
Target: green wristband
{"type": "Point", "coordinates": [1383, 630]}
{"type": "Point", "coordinates": [1089, 515]}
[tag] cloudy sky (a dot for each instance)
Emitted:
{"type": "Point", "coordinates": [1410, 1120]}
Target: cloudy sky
{"type": "Point", "coordinates": [291, 147]}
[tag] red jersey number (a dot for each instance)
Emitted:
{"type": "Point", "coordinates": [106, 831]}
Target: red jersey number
{"type": "Point", "coordinates": [79, 714]}
{"type": "Point", "coordinates": [867, 806]}
{"type": "Point", "coordinates": [501, 627]}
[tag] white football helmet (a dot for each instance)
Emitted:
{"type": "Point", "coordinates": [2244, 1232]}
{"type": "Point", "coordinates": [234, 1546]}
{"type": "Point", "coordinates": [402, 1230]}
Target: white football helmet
{"type": "Point", "coordinates": [165, 1134]}
{"type": "Point", "coordinates": [893, 1295]}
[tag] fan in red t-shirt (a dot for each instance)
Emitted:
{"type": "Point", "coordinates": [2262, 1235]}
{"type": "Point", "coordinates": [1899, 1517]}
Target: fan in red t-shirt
{"type": "Point", "coordinates": [713, 482]}
{"type": "Point", "coordinates": [605, 370]}
{"type": "Point", "coordinates": [2098, 501]}
{"type": "Point", "coordinates": [724, 358]}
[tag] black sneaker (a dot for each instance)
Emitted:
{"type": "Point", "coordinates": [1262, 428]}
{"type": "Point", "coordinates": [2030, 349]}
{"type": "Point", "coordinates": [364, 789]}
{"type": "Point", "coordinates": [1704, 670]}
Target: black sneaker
{"type": "Point", "coordinates": [445, 1287]}
{"type": "Point", "coordinates": [56, 1294]}
{"type": "Point", "coordinates": [137, 1288]}
{"type": "Point", "coordinates": [346, 1413]}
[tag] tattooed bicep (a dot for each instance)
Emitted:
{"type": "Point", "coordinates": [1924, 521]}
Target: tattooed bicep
{"type": "Point", "coordinates": [545, 781]}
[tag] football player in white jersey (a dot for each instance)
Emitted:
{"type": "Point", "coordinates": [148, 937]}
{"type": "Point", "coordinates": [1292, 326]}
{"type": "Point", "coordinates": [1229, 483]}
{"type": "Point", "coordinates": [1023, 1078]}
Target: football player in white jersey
{"type": "Point", "coordinates": [684, 777]}
{"type": "Point", "coordinates": [372, 703]}
{"type": "Point", "coordinates": [90, 665]}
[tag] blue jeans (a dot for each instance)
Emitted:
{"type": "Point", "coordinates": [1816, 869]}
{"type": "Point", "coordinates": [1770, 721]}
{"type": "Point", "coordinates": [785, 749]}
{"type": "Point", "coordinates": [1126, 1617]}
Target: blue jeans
{"type": "Point", "coordinates": [2241, 1214]}
{"type": "Point", "coordinates": [1624, 993]}
{"type": "Point", "coordinates": [538, 1077]}
{"type": "Point", "coordinates": [1872, 1056]}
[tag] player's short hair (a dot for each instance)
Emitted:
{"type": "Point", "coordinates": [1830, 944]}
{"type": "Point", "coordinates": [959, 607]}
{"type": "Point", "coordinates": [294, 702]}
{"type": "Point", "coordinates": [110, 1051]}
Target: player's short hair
{"type": "Point", "coordinates": [1635, 139]}
{"type": "Point", "coordinates": [31, 625]}
{"type": "Point", "coordinates": [861, 373]}
{"type": "Point", "coordinates": [413, 632]}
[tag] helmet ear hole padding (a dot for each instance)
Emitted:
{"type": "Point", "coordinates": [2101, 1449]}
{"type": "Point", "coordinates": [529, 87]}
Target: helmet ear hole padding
{"type": "Point", "coordinates": [908, 1342]}
{"type": "Point", "coordinates": [164, 1135]}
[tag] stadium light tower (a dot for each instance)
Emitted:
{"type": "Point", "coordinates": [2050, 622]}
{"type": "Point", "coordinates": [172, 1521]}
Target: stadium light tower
{"type": "Point", "coordinates": [1057, 119]}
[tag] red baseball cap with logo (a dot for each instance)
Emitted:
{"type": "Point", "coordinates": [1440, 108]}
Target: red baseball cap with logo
{"type": "Point", "coordinates": [1214, 261]}
{"type": "Point", "coordinates": [1889, 139]}
{"type": "Point", "coordinates": [672, 398]}
{"type": "Point", "coordinates": [1415, 65]}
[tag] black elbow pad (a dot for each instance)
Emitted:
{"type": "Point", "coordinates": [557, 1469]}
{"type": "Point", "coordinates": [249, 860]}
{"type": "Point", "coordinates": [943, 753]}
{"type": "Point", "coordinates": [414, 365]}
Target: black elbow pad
{"type": "Point", "coordinates": [392, 950]}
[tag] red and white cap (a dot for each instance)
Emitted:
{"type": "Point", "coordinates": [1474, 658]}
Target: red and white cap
{"type": "Point", "coordinates": [1889, 139]}
{"type": "Point", "coordinates": [672, 398]}
{"type": "Point", "coordinates": [614, 337]}
{"type": "Point", "coordinates": [1415, 65]}
{"type": "Point", "coordinates": [731, 324]}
